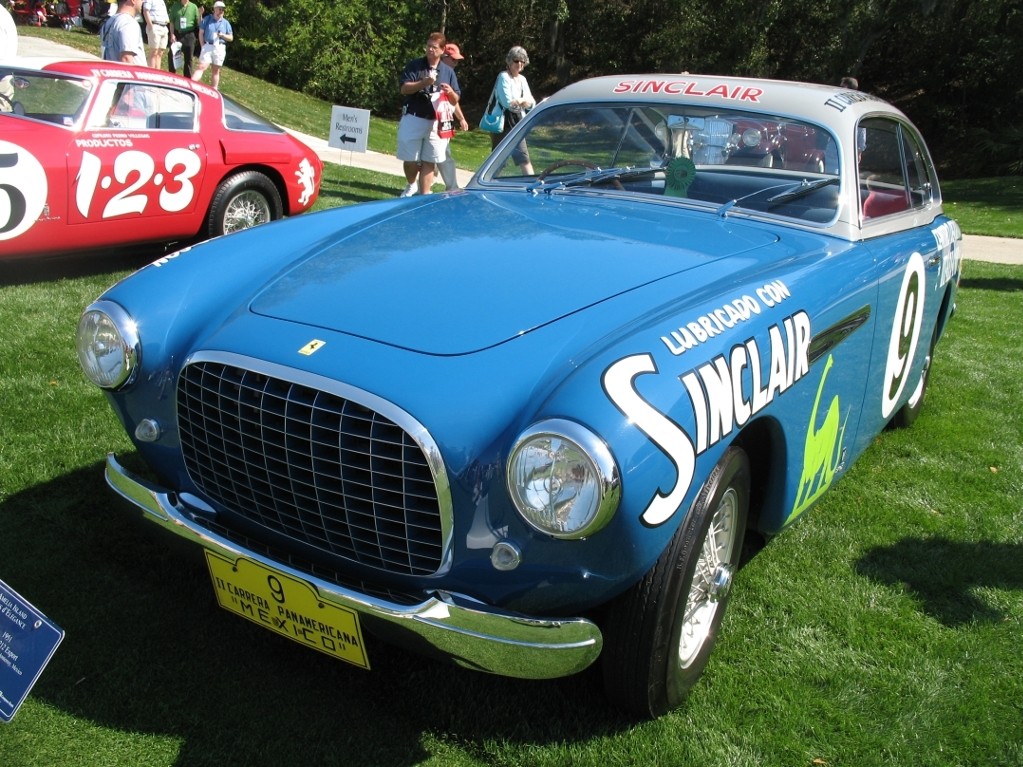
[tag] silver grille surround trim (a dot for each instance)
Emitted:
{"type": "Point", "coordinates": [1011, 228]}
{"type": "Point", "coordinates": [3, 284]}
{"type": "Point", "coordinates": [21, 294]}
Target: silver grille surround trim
{"type": "Point", "coordinates": [412, 427]}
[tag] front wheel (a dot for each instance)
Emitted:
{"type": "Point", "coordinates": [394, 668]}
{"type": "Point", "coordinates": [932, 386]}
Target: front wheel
{"type": "Point", "coordinates": [242, 201]}
{"type": "Point", "coordinates": [660, 633]}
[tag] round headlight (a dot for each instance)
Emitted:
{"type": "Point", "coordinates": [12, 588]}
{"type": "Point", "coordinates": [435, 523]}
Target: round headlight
{"type": "Point", "coordinates": [108, 345]}
{"type": "Point", "coordinates": [563, 479]}
{"type": "Point", "coordinates": [751, 137]}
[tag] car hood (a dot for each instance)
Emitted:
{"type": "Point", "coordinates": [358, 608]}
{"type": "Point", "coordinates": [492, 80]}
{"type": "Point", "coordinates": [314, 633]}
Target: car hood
{"type": "Point", "coordinates": [459, 273]}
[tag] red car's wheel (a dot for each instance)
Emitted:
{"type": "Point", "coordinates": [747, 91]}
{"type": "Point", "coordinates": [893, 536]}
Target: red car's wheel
{"type": "Point", "coordinates": [242, 201]}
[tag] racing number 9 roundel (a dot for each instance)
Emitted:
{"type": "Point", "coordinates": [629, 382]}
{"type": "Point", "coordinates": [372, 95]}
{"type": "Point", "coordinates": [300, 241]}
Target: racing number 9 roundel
{"type": "Point", "coordinates": [909, 316]}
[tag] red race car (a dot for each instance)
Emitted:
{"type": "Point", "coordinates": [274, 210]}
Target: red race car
{"type": "Point", "coordinates": [95, 154]}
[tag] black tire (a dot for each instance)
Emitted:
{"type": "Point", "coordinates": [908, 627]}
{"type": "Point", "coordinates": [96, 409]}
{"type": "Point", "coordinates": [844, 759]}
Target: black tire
{"type": "Point", "coordinates": [904, 417]}
{"type": "Point", "coordinates": [242, 201]}
{"type": "Point", "coordinates": [659, 634]}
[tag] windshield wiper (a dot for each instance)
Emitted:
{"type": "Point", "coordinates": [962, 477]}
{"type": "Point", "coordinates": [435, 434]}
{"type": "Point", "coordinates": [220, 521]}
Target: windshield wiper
{"type": "Point", "coordinates": [792, 192]}
{"type": "Point", "coordinates": [592, 177]}
{"type": "Point", "coordinates": [802, 189]}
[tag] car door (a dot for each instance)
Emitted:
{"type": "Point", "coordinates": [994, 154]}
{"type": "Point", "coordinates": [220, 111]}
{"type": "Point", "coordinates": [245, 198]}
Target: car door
{"type": "Point", "coordinates": [139, 162]}
{"type": "Point", "coordinates": [916, 255]}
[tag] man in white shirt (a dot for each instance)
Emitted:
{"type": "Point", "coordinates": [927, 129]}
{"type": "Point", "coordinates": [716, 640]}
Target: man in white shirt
{"type": "Point", "coordinates": [157, 20]}
{"type": "Point", "coordinates": [8, 35]}
{"type": "Point", "coordinates": [8, 50]}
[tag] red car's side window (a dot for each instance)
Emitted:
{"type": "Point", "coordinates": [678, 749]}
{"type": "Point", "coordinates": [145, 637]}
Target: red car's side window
{"type": "Point", "coordinates": [136, 106]}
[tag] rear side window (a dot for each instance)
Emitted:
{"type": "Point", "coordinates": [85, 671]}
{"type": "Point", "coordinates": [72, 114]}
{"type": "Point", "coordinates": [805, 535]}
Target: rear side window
{"type": "Point", "coordinates": [237, 117]}
{"type": "Point", "coordinates": [895, 171]}
{"type": "Point", "coordinates": [920, 175]}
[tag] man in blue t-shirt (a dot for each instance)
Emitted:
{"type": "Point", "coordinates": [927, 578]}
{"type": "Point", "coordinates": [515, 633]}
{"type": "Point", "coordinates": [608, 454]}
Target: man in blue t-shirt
{"type": "Point", "coordinates": [430, 88]}
{"type": "Point", "coordinates": [215, 32]}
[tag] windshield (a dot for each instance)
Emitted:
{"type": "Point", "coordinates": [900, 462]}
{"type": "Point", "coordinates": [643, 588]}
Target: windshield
{"type": "Point", "coordinates": [43, 96]}
{"type": "Point", "coordinates": [728, 159]}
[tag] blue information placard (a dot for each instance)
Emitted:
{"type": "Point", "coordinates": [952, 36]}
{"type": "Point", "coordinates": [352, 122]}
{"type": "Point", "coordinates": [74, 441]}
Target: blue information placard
{"type": "Point", "coordinates": [27, 642]}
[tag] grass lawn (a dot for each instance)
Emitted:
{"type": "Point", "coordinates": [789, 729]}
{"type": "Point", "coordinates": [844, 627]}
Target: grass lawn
{"type": "Point", "coordinates": [989, 206]}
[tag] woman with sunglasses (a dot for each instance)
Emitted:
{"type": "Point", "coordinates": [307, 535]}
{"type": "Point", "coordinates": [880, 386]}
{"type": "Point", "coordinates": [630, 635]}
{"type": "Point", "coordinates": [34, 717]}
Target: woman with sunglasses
{"type": "Point", "coordinates": [515, 99]}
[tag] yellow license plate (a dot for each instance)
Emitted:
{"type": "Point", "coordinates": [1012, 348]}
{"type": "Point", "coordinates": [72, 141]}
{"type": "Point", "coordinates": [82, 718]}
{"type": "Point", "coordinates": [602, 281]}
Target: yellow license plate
{"type": "Point", "coordinates": [287, 606]}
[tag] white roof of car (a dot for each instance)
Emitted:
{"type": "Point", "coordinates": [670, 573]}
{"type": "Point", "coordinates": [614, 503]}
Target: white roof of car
{"type": "Point", "coordinates": [829, 105]}
{"type": "Point", "coordinates": [837, 109]}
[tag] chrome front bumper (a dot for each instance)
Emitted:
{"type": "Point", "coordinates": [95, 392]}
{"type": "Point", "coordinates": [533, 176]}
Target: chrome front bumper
{"type": "Point", "coordinates": [454, 627]}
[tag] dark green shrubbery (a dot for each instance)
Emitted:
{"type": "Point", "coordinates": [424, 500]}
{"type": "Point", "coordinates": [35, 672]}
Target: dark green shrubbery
{"type": "Point", "coordinates": [345, 52]}
{"type": "Point", "coordinates": [952, 65]}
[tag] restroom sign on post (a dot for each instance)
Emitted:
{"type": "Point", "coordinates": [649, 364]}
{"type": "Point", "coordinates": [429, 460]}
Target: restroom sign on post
{"type": "Point", "coordinates": [349, 129]}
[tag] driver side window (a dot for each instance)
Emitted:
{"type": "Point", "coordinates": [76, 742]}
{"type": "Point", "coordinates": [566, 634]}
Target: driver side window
{"type": "Point", "coordinates": [140, 106]}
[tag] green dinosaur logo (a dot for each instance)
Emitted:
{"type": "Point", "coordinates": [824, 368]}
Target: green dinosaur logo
{"type": "Point", "coordinates": [822, 452]}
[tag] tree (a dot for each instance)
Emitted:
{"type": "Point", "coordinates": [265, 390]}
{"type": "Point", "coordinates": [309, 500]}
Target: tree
{"type": "Point", "coordinates": [347, 53]}
{"type": "Point", "coordinates": [952, 65]}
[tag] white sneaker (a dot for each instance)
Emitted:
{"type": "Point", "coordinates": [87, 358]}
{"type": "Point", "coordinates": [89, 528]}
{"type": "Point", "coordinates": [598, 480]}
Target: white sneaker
{"type": "Point", "coordinates": [409, 190]}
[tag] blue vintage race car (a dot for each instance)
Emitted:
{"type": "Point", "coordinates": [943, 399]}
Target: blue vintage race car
{"type": "Point", "coordinates": [529, 423]}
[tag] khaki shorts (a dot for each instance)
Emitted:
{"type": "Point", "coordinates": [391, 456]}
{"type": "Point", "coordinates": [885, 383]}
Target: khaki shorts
{"type": "Point", "coordinates": [212, 53]}
{"type": "Point", "coordinates": [158, 37]}
{"type": "Point", "coordinates": [418, 140]}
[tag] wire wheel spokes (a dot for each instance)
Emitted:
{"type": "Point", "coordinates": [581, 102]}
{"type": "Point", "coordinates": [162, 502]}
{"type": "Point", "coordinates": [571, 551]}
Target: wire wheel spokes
{"type": "Point", "coordinates": [712, 579]}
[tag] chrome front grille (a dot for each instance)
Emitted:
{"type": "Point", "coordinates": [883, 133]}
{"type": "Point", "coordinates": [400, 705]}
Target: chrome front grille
{"type": "Point", "coordinates": [312, 464]}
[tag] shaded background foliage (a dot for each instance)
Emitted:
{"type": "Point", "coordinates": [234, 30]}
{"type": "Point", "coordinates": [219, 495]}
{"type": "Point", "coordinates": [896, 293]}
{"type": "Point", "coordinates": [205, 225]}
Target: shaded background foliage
{"type": "Point", "coordinates": [954, 66]}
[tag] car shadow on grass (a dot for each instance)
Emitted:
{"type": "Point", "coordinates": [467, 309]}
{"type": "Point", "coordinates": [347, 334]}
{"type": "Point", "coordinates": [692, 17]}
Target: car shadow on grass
{"type": "Point", "coordinates": [1000, 284]}
{"type": "Point", "coordinates": [943, 575]}
{"type": "Point", "coordinates": [40, 269]}
{"type": "Point", "coordinates": [148, 651]}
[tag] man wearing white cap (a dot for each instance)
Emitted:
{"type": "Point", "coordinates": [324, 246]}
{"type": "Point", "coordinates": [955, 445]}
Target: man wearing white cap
{"type": "Point", "coordinates": [215, 32]}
